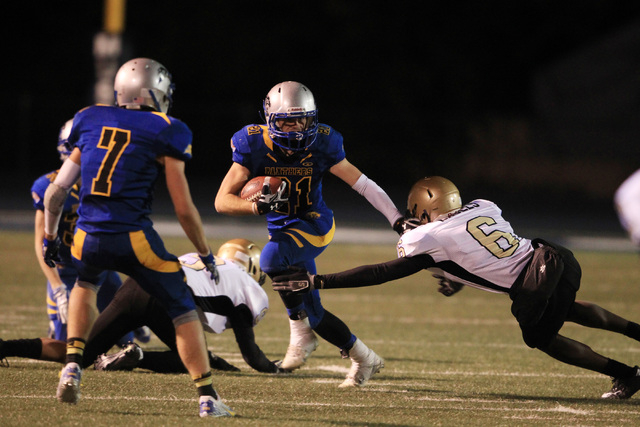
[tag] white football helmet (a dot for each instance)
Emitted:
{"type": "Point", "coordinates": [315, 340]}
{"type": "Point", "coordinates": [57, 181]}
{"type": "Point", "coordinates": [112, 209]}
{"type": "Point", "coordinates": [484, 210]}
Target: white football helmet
{"type": "Point", "coordinates": [431, 197]}
{"type": "Point", "coordinates": [64, 147]}
{"type": "Point", "coordinates": [286, 100]}
{"type": "Point", "coordinates": [143, 82]}
{"type": "Point", "coordinates": [246, 254]}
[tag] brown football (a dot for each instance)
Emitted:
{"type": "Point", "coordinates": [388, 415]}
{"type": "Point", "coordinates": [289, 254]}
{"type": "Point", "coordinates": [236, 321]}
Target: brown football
{"type": "Point", "coordinates": [253, 188]}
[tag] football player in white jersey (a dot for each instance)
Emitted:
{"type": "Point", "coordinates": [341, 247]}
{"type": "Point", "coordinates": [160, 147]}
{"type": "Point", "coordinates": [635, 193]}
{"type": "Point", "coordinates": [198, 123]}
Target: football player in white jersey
{"type": "Point", "coordinates": [237, 301]}
{"type": "Point", "coordinates": [474, 245]}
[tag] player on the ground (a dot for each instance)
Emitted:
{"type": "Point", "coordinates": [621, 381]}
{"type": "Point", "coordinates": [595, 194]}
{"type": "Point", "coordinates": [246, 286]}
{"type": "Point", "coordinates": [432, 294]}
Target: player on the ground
{"type": "Point", "coordinates": [120, 152]}
{"type": "Point", "coordinates": [474, 245]}
{"type": "Point", "coordinates": [296, 148]}
{"type": "Point", "coordinates": [236, 301]}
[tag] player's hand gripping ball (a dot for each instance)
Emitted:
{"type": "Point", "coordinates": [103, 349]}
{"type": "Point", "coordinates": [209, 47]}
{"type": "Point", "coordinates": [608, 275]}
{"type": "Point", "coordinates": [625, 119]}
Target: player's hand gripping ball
{"type": "Point", "coordinates": [252, 190]}
{"type": "Point", "coordinates": [268, 194]}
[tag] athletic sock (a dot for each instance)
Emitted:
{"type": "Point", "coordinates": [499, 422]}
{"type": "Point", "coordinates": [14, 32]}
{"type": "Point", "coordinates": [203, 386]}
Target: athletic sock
{"type": "Point", "coordinates": [75, 350]}
{"type": "Point", "coordinates": [633, 331]}
{"type": "Point", "coordinates": [31, 348]}
{"type": "Point", "coordinates": [204, 383]}
{"type": "Point", "coordinates": [616, 369]}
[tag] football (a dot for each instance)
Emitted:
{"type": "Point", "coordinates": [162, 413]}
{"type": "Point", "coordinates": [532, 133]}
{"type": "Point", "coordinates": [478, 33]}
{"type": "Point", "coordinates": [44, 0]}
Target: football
{"type": "Point", "coordinates": [253, 188]}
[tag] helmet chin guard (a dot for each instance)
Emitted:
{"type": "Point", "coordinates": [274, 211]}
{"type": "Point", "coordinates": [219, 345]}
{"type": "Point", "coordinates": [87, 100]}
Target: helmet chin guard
{"type": "Point", "coordinates": [288, 100]}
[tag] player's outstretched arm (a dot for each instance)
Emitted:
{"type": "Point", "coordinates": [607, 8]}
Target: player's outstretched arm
{"type": "Point", "coordinates": [297, 280]}
{"type": "Point", "coordinates": [367, 188]}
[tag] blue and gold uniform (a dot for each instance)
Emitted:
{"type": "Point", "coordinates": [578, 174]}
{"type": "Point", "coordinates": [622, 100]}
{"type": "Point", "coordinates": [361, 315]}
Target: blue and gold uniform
{"type": "Point", "coordinates": [109, 280]}
{"type": "Point", "coordinates": [119, 169]}
{"type": "Point", "coordinates": [304, 226]}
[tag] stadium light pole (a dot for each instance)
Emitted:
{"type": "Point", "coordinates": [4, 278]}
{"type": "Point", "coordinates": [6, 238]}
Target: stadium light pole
{"type": "Point", "coordinates": [107, 49]}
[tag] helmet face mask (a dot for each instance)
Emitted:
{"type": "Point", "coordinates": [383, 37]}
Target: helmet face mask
{"type": "Point", "coordinates": [291, 101]}
{"type": "Point", "coordinates": [64, 147]}
{"type": "Point", "coordinates": [245, 254]}
{"type": "Point", "coordinates": [431, 197]}
{"type": "Point", "coordinates": [144, 83]}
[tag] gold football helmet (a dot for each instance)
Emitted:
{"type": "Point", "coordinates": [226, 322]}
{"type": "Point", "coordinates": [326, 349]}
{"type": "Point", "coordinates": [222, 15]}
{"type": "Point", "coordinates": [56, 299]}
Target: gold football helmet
{"type": "Point", "coordinates": [431, 197]}
{"type": "Point", "coordinates": [246, 254]}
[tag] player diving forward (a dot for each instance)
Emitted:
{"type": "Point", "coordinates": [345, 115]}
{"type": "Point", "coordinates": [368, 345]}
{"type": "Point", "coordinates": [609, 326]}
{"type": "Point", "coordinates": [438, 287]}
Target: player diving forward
{"type": "Point", "coordinates": [474, 245]}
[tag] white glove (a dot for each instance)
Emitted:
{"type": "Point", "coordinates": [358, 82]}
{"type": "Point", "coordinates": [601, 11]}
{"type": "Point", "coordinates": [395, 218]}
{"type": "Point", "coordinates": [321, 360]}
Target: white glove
{"type": "Point", "coordinates": [60, 295]}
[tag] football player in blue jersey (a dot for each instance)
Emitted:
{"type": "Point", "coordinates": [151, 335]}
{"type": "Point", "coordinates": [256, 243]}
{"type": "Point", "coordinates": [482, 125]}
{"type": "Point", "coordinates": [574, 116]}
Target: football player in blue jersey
{"type": "Point", "coordinates": [62, 277]}
{"type": "Point", "coordinates": [119, 152]}
{"type": "Point", "coordinates": [295, 147]}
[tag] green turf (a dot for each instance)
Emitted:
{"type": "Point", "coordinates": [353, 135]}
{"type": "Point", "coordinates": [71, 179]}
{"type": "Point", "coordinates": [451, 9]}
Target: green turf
{"type": "Point", "coordinates": [455, 361]}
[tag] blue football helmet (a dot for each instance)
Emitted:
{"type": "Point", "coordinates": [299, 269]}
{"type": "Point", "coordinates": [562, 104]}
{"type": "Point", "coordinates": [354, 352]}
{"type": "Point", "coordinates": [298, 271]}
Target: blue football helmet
{"type": "Point", "coordinates": [64, 147]}
{"type": "Point", "coordinates": [143, 82]}
{"type": "Point", "coordinates": [291, 100]}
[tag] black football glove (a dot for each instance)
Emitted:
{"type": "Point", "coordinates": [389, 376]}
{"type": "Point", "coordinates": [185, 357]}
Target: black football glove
{"type": "Point", "coordinates": [447, 287]}
{"type": "Point", "coordinates": [219, 364]}
{"type": "Point", "coordinates": [406, 223]}
{"type": "Point", "coordinates": [50, 249]}
{"type": "Point", "coordinates": [269, 201]}
{"type": "Point", "coordinates": [296, 280]}
{"type": "Point", "coordinates": [210, 263]}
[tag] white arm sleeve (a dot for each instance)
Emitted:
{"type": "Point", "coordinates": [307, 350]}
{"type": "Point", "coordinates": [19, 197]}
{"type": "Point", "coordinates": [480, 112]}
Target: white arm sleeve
{"type": "Point", "coordinates": [56, 194]}
{"type": "Point", "coordinates": [627, 203]}
{"type": "Point", "coordinates": [377, 197]}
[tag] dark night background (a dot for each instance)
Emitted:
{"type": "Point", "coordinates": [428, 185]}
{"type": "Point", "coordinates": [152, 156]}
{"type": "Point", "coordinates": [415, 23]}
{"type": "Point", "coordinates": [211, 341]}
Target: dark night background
{"type": "Point", "coordinates": [533, 104]}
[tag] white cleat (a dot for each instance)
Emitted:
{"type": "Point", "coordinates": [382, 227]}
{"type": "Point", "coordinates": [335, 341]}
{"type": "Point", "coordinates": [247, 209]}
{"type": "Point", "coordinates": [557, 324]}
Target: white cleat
{"type": "Point", "coordinates": [302, 343]}
{"type": "Point", "coordinates": [364, 364]}
{"type": "Point", "coordinates": [210, 407]}
{"type": "Point", "coordinates": [69, 385]}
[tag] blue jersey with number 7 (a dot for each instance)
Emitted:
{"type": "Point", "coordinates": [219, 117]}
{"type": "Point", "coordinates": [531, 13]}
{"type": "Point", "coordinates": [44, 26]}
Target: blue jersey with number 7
{"type": "Point", "coordinates": [119, 166]}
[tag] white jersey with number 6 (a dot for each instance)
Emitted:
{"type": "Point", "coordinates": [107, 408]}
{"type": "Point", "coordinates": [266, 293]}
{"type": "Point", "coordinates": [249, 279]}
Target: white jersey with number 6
{"type": "Point", "coordinates": [474, 246]}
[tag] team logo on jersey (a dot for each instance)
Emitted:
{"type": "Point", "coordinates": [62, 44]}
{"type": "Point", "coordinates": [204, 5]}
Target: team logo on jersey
{"type": "Point", "coordinates": [312, 215]}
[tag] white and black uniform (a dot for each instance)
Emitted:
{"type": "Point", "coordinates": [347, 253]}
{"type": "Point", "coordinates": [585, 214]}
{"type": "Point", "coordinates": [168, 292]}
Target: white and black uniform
{"type": "Point", "coordinates": [236, 302]}
{"type": "Point", "coordinates": [474, 246]}
{"type": "Point", "coordinates": [234, 284]}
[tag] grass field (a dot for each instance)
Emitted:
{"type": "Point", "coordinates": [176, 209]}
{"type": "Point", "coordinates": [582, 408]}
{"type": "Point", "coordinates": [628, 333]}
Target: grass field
{"type": "Point", "coordinates": [456, 361]}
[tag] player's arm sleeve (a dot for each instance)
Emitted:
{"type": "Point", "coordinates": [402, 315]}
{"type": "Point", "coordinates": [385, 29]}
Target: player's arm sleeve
{"type": "Point", "coordinates": [56, 194]}
{"type": "Point", "coordinates": [242, 324]}
{"type": "Point", "coordinates": [377, 197]}
{"type": "Point", "coordinates": [375, 274]}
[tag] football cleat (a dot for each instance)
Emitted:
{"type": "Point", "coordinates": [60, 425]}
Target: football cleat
{"type": "Point", "coordinates": [125, 360]}
{"type": "Point", "coordinates": [142, 334]}
{"type": "Point", "coordinates": [364, 364]}
{"type": "Point", "coordinates": [69, 385]}
{"type": "Point", "coordinates": [302, 343]}
{"type": "Point", "coordinates": [4, 363]}
{"type": "Point", "coordinates": [210, 407]}
{"type": "Point", "coordinates": [624, 388]}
